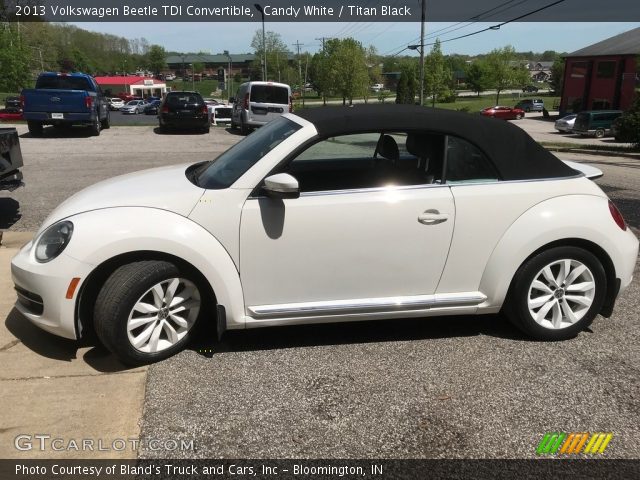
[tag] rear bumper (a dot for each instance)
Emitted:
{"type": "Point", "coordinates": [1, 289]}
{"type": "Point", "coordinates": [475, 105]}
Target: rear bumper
{"type": "Point", "coordinates": [184, 122]}
{"type": "Point", "coordinates": [70, 117]}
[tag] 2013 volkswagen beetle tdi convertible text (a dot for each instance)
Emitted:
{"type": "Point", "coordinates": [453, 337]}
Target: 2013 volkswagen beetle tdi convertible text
{"type": "Point", "coordinates": [332, 215]}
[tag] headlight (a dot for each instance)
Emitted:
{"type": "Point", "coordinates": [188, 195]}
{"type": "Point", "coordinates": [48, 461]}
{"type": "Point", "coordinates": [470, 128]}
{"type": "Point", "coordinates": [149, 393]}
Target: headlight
{"type": "Point", "coordinates": [53, 241]}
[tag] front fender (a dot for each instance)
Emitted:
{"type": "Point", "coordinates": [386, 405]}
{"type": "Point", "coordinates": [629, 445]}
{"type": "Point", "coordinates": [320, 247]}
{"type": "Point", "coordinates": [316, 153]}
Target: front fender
{"type": "Point", "coordinates": [101, 235]}
{"type": "Point", "coordinates": [583, 217]}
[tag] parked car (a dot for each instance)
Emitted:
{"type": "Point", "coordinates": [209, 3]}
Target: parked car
{"type": "Point", "coordinates": [127, 97]}
{"type": "Point", "coordinates": [65, 99]}
{"type": "Point", "coordinates": [10, 115]}
{"type": "Point", "coordinates": [170, 77]}
{"type": "Point", "coordinates": [531, 105]}
{"type": "Point", "coordinates": [529, 89]}
{"type": "Point", "coordinates": [152, 108]}
{"type": "Point", "coordinates": [257, 237]}
{"type": "Point", "coordinates": [12, 105]}
{"type": "Point", "coordinates": [506, 113]}
{"type": "Point", "coordinates": [595, 123]}
{"type": "Point", "coordinates": [184, 110]}
{"type": "Point", "coordinates": [257, 103]}
{"type": "Point", "coordinates": [220, 113]}
{"type": "Point", "coordinates": [377, 87]}
{"type": "Point", "coordinates": [10, 159]}
{"type": "Point", "coordinates": [134, 107]}
{"type": "Point", "coordinates": [565, 124]}
{"type": "Point", "coordinates": [115, 103]}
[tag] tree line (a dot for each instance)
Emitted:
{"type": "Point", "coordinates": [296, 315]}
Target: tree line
{"type": "Point", "coordinates": [26, 48]}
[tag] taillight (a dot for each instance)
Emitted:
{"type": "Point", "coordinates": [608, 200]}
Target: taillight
{"type": "Point", "coordinates": [22, 104]}
{"type": "Point", "coordinates": [165, 109]}
{"type": "Point", "coordinates": [204, 110]}
{"type": "Point", "coordinates": [245, 103]}
{"type": "Point", "coordinates": [88, 102]}
{"type": "Point", "coordinates": [290, 104]}
{"type": "Point", "coordinates": [617, 216]}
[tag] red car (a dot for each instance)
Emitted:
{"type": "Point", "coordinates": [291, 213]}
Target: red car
{"type": "Point", "coordinates": [506, 113]}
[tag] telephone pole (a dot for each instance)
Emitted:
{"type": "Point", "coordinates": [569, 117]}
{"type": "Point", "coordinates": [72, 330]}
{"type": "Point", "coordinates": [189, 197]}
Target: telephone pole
{"type": "Point", "coordinates": [298, 45]}
{"type": "Point", "coordinates": [424, 14]}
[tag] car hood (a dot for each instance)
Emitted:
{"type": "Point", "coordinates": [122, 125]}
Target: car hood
{"type": "Point", "coordinates": [165, 188]}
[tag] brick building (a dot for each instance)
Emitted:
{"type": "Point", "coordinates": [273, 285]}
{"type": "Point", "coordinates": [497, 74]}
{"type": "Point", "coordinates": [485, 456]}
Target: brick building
{"type": "Point", "coordinates": [602, 76]}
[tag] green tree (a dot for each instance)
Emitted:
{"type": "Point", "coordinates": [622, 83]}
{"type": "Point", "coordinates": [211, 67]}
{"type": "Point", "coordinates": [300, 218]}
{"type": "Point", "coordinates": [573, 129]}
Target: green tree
{"type": "Point", "coordinates": [320, 74]}
{"type": "Point", "coordinates": [437, 78]}
{"type": "Point", "coordinates": [156, 59]}
{"type": "Point", "coordinates": [557, 75]}
{"type": "Point", "coordinates": [505, 70]}
{"type": "Point", "coordinates": [14, 58]}
{"type": "Point", "coordinates": [407, 85]}
{"type": "Point", "coordinates": [477, 77]}
{"type": "Point", "coordinates": [348, 67]}
{"type": "Point", "coordinates": [629, 124]}
{"type": "Point", "coordinates": [277, 53]}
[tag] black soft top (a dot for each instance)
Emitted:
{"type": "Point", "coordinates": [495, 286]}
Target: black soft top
{"type": "Point", "coordinates": [514, 153]}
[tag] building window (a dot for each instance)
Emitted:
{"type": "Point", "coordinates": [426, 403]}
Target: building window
{"type": "Point", "coordinates": [579, 69]}
{"type": "Point", "coordinates": [606, 69]}
{"type": "Point", "coordinates": [574, 104]}
{"type": "Point", "coordinates": [601, 104]}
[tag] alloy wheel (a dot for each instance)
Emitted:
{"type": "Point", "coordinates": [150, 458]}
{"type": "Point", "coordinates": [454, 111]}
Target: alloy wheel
{"type": "Point", "coordinates": [163, 315]}
{"type": "Point", "coordinates": [561, 294]}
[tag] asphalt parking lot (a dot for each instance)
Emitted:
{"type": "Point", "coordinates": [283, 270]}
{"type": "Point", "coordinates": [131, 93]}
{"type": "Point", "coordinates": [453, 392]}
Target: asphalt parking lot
{"type": "Point", "coordinates": [455, 387]}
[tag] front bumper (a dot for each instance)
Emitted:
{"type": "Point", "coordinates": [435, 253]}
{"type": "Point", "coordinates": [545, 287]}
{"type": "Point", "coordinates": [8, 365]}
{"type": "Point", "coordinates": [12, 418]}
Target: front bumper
{"type": "Point", "coordinates": [42, 290]}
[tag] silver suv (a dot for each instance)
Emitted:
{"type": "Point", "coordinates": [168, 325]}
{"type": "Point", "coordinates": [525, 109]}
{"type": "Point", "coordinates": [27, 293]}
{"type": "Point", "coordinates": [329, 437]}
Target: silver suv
{"type": "Point", "coordinates": [531, 105]}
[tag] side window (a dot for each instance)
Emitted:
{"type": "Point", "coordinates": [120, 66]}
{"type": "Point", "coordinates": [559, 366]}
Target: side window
{"type": "Point", "coordinates": [369, 160]}
{"type": "Point", "coordinates": [467, 164]}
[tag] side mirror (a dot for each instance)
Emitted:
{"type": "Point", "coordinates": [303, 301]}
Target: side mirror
{"type": "Point", "coordinates": [281, 185]}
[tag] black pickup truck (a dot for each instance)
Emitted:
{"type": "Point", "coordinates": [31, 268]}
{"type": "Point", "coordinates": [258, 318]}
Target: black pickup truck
{"type": "Point", "coordinates": [65, 99]}
{"type": "Point", "coordinates": [10, 159]}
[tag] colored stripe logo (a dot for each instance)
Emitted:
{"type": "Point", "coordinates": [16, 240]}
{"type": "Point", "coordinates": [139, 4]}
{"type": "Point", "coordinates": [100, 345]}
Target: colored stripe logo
{"type": "Point", "coordinates": [572, 443]}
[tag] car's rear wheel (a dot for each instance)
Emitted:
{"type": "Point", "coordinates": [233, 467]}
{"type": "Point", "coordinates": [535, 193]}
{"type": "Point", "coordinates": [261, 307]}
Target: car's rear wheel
{"type": "Point", "coordinates": [146, 311]}
{"type": "Point", "coordinates": [518, 116]}
{"type": "Point", "coordinates": [557, 293]}
{"type": "Point", "coordinates": [106, 123]}
{"type": "Point", "coordinates": [599, 133]}
{"type": "Point", "coordinates": [95, 127]}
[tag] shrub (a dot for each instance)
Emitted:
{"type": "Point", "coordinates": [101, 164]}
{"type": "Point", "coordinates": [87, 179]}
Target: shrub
{"type": "Point", "coordinates": [629, 124]}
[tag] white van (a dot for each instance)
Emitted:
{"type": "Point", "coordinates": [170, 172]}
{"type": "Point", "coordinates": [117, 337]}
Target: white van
{"type": "Point", "coordinates": [257, 103]}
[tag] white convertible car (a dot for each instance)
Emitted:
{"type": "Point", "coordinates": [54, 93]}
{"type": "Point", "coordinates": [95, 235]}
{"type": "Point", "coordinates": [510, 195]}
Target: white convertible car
{"type": "Point", "coordinates": [334, 214]}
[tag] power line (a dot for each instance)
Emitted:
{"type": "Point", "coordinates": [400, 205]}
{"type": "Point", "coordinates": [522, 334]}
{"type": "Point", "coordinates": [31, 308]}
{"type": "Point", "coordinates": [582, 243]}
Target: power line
{"type": "Point", "coordinates": [470, 21]}
{"type": "Point", "coordinates": [493, 27]}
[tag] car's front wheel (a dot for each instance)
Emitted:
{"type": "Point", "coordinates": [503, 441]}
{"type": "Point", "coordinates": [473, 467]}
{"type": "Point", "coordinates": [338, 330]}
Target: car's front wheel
{"type": "Point", "coordinates": [146, 311]}
{"type": "Point", "coordinates": [557, 293]}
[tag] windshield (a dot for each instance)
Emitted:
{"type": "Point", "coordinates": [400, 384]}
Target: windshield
{"type": "Point", "coordinates": [233, 163]}
{"type": "Point", "coordinates": [133, 102]}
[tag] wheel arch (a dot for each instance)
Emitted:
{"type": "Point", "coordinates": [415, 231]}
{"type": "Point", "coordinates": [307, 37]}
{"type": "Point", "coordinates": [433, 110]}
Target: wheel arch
{"type": "Point", "coordinates": [573, 220]}
{"type": "Point", "coordinates": [90, 288]}
{"type": "Point", "coordinates": [613, 285]}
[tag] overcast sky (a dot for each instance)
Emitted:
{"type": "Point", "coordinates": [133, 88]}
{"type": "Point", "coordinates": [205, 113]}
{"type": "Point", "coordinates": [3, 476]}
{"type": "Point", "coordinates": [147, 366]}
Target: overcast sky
{"type": "Point", "coordinates": [388, 38]}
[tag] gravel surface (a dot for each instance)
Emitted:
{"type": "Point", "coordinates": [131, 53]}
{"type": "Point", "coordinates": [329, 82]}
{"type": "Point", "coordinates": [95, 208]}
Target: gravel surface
{"type": "Point", "coordinates": [455, 387]}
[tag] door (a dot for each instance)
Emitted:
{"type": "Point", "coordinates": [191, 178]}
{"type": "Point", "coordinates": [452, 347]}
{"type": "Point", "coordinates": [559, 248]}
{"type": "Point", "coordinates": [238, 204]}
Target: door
{"type": "Point", "coordinates": [267, 102]}
{"type": "Point", "coordinates": [365, 227]}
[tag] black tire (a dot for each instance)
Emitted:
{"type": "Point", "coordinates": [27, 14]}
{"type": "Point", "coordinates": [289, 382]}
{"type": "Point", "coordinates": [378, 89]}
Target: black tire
{"type": "Point", "coordinates": [244, 130]}
{"type": "Point", "coordinates": [115, 302]}
{"type": "Point", "coordinates": [106, 123]}
{"type": "Point", "coordinates": [599, 133]}
{"type": "Point", "coordinates": [206, 129]}
{"type": "Point", "coordinates": [516, 306]}
{"type": "Point", "coordinates": [95, 127]}
{"type": "Point", "coordinates": [518, 116]}
{"type": "Point", "coordinates": [35, 128]}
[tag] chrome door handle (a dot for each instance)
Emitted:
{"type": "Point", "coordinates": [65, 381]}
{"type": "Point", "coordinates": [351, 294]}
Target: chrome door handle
{"type": "Point", "coordinates": [432, 217]}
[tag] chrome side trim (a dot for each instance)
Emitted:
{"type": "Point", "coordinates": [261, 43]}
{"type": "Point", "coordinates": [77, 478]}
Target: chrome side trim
{"type": "Point", "coordinates": [367, 305]}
